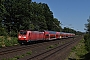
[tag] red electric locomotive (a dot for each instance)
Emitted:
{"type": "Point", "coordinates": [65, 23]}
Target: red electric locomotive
{"type": "Point", "coordinates": [26, 36]}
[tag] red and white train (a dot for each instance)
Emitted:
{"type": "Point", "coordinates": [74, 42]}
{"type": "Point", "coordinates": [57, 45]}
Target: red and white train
{"type": "Point", "coordinates": [27, 35]}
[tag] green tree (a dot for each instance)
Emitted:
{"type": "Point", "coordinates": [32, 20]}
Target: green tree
{"type": "Point", "coordinates": [56, 25]}
{"type": "Point", "coordinates": [48, 16]}
{"type": "Point", "coordinates": [3, 12]}
{"type": "Point", "coordinates": [69, 30]}
{"type": "Point", "coordinates": [88, 26]}
{"type": "Point", "coordinates": [18, 15]}
{"type": "Point", "coordinates": [37, 17]}
{"type": "Point", "coordinates": [87, 36]}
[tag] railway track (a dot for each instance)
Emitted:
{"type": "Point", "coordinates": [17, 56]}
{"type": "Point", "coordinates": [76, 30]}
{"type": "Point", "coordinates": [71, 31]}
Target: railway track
{"type": "Point", "coordinates": [24, 47]}
{"type": "Point", "coordinates": [50, 52]}
{"type": "Point", "coordinates": [32, 47]}
{"type": "Point", "coordinates": [20, 48]}
{"type": "Point", "coordinates": [46, 54]}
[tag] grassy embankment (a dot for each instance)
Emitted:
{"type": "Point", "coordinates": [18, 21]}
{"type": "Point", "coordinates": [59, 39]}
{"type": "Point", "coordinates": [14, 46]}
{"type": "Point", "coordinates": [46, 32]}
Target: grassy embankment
{"type": "Point", "coordinates": [8, 41]}
{"type": "Point", "coordinates": [78, 52]}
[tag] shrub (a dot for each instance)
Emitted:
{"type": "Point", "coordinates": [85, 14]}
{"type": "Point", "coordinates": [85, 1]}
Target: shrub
{"type": "Point", "coordinates": [87, 41]}
{"type": "Point", "coordinates": [8, 41]}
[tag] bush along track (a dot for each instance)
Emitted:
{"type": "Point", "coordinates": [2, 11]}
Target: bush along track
{"type": "Point", "coordinates": [6, 41]}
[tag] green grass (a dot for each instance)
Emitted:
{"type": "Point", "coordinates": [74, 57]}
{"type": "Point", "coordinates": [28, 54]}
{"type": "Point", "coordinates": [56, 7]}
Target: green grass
{"type": "Point", "coordinates": [29, 52]}
{"type": "Point", "coordinates": [18, 56]}
{"type": "Point", "coordinates": [52, 46]}
{"type": "Point", "coordinates": [78, 51]}
{"type": "Point", "coordinates": [9, 59]}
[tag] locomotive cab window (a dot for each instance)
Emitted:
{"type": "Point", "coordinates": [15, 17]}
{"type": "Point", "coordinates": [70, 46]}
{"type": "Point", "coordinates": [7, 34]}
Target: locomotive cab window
{"type": "Point", "coordinates": [23, 32]}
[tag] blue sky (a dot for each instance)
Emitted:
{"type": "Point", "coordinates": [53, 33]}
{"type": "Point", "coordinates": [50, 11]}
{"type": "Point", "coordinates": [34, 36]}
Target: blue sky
{"type": "Point", "coordinates": [71, 13]}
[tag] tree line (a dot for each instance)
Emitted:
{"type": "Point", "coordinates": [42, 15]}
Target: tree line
{"type": "Point", "coordinates": [18, 15]}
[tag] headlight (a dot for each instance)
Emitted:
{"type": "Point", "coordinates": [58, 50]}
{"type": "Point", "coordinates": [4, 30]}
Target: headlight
{"type": "Point", "coordinates": [24, 37]}
{"type": "Point", "coordinates": [19, 37]}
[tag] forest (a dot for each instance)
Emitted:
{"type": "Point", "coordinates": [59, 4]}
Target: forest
{"type": "Point", "coordinates": [18, 15]}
